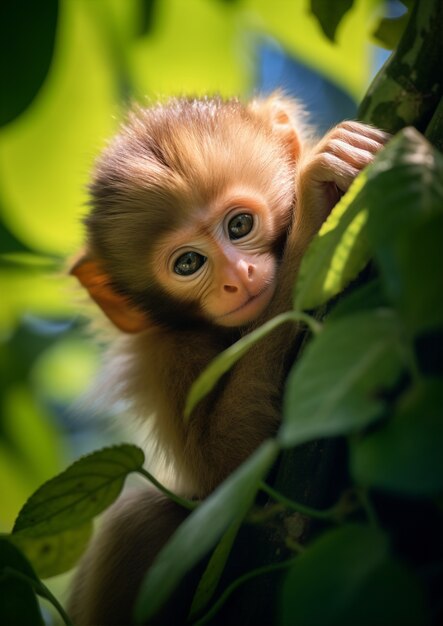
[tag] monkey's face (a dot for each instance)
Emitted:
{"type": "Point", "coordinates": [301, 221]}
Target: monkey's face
{"type": "Point", "coordinates": [222, 260]}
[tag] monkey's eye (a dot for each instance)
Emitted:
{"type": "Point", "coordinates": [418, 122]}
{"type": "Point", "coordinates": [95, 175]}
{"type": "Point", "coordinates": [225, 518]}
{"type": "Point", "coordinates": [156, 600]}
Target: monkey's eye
{"type": "Point", "coordinates": [240, 226]}
{"type": "Point", "coordinates": [189, 263]}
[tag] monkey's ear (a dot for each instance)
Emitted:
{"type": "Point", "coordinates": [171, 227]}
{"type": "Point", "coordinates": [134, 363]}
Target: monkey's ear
{"type": "Point", "coordinates": [116, 307]}
{"type": "Point", "coordinates": [283, 115]}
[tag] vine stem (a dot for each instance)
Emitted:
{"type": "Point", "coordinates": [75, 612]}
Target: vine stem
{"type": "Point", "coordinates": [265, 569]}
{"type": "Point", "coordinates": [327, 514]}
{"type": "Point", "coordinates": [40, 589]}
{"type": "Point", "coordinates": [190, 505]}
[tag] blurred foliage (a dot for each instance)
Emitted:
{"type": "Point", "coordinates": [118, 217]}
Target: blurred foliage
{"type": "Point", "coordinates": [69, 70]}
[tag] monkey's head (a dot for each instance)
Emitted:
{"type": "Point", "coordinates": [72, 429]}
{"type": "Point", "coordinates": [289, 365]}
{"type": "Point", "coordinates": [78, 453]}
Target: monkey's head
{"type": "Point", "coordinates": [191, 202]}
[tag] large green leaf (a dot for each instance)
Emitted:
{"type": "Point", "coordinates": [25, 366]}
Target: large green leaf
{"type": "Point", "coordinates": [405, 227]}
{"type": "Point", "coordinates": [333, 388]}
{"type": "Point", "coordinates": [345, 578]}
{"type": "Point", "coordinates": [338, 253]}
{"type": "Point", "coordinates": [405, 454]}
{"type": "Point", "coordinates": [18, 602]}
{"type": "Point", "coordinates": [79, 493]}
{"type": "Point", "coordinates": [202, 530]}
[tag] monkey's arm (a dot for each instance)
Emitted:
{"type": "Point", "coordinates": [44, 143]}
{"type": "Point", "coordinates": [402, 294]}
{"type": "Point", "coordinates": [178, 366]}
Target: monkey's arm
{"type": "Point", "coordinates": [106, 584]}
{"type": "Point", "coordinates": [247, 407]}
{"type": "Point", "coordinates": [324, 174]}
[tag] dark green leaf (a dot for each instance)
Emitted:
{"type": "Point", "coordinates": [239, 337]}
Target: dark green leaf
{"type": "Point", "coordinates": [368, 296]}
{"type": "Point", "coordinates": [330, 14]}
{"type": "Point", "coordinates": [214, 570]}
{"type": "Point", "coordinates": [79, 493]}
{"type": "Point", "coordinates": [405, 227]}
{"type": "Point", "coordinates": [18, 602]}
{"type": "Point", "coordinates": [54, 554]}
{"type": "Point", "coordinates": [9, 243]}
{"type": "Point", "coordinates": [200, 532]}
{"type": "Point", "coordinates": [334, 388]}
{"type": "Point", "coordinates": [389, 31]}
{"type": "Point", "coordinates": [405, 455]}
{"type": "Point", "coordinates": [27, 37]}
{"type": "Point", "coordinates": [346, 578]}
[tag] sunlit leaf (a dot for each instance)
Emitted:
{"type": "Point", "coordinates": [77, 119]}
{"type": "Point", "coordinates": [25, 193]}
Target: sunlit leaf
{"type": "Point", "coordinates": [56, 553]}
{"type": "Point", "coordinates": [202, 529]}
{"type": "Point", "coordinates": [333, 389]}
{"type": "Point", "coordinates": [350, 570]}
{"type": "Point", "coordinates": [193, 47]}
{"type": "Point", "coordinates": [405, 454]}
{"type": "Point", "coordinates": [79, 493]}
{"type": "Point", "coordinates": [18, 602]}
{"type": "Point", "coordinates": [338, 253]}
{"type": "Point", "coordinates": [290, 24]}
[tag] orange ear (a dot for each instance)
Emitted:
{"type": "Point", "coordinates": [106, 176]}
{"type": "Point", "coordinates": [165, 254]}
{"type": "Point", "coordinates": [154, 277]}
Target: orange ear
{"type": "Point", "coordinates": [116, 307]}
{"type": "Point", "coordinates": [283, 115]}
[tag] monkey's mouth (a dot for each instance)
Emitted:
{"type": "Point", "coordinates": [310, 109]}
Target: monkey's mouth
{"type": "Point", "coordinates": [249, 310]}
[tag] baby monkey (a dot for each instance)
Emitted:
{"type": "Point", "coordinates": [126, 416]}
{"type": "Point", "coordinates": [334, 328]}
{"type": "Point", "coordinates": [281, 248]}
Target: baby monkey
{"type": "Point", "coordinates": [201, 212]}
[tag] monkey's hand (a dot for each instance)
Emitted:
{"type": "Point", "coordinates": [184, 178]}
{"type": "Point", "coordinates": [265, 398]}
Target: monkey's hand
{"type": "Point", "coordinates": [327, 172]}
{"type": "Point", "coordinates": [324, 174]}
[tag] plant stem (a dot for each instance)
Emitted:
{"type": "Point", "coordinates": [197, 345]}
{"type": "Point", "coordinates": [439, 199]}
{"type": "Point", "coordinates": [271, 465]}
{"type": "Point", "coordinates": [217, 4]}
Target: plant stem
{"type": "Point", "coordinates": [362, 495]}
{"type": "Point", "coordinates": [327, 514]}
{"type": "Point", "coordinates": [266, 569]}
{"type": "Point", "coordinates": [190, 505]}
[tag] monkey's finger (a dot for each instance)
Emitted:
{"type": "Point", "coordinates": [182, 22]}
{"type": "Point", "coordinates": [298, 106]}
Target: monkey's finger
{"type": "Point", "coordinates": [329, 168]}
{"type": "Point", "coordinates": [358, 141]}
{"type": "Point", "coordinates": [350, 153]}
{"type": "Point", "coordinates": [363, 130]}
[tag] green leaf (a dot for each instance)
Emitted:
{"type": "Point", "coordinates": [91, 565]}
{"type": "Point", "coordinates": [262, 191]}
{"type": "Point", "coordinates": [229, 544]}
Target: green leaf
{"type": "Point", "coordinates": [350, 571]}
{"type": "Point", "coordinates": [79, 493]}
{"type": "Point", "coordinates": [18, 602]}
{"type": "Point", "coordinates": [211, 577]}
{"type": "Point", "coordinates": [405, 227]}
{"type": "Point", "coordinates": [227, 359]}
{"type": "Point", "coordinates": [202, 529]}
{"type": "Point", "coordinates": [27, 37]}
{"type": "Point", "coordinates": [339, 251]}
{"type": "Point", "coordinates": [54, 554]}
{"type": "Point", "coordinates": [368, 296]}
{"type": "Point", "coordinates": [405, 454]}
{"type": "Point", "coordinates": [333, 388]}
{"type": "Point", "coordinates": [330, 14]}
